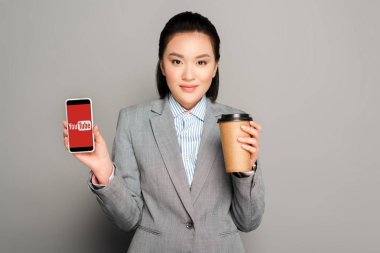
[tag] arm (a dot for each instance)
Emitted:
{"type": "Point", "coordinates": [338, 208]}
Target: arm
{"type": "Point", "coordinates": [121, 198]}
{"type": "Point", "coordinates": [245, 173]}
{"type": "Point", "coordinates": [95, 183]}
{"type": "Point", "coordinates": [248, 203]}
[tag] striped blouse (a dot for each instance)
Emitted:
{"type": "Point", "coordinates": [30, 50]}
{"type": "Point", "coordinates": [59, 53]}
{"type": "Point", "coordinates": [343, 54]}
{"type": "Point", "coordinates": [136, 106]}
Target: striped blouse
{"type": "Point", "coordinates": [189, 126]}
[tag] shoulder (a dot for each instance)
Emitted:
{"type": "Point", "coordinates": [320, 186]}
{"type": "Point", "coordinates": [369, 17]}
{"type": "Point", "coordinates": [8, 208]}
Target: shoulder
{"type": "Point", "coordinates": [138, 111]}
{"type": "Point", "coordinates": [143, 106]}
{"type": "Point", "coordinates": [226, 109]}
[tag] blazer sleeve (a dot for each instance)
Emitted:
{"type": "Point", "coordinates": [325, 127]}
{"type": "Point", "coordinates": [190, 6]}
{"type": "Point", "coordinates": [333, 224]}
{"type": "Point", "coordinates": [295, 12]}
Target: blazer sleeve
{"type": "Point", "coordinates": [248, 200]}
{"type": "Point", "coordinates": [121, 199]}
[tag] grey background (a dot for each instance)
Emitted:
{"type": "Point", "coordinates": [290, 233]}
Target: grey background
{"type": "Point", "coordinates": [307, 70]}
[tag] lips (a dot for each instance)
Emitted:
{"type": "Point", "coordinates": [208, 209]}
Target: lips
{"type": "Point", "coordinates": [188, 85]}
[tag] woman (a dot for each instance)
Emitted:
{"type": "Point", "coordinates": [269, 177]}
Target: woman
{"type": "Point", "coordinates": [167, 177]}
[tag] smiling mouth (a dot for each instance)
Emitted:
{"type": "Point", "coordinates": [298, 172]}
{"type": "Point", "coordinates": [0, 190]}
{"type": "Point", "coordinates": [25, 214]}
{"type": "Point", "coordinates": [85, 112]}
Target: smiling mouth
{"type": "Point", "coordinates": [188, 87]}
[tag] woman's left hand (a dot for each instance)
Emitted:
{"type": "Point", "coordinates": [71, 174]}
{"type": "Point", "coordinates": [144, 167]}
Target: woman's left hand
{"type": "Point", "coordinates": [251, 144]}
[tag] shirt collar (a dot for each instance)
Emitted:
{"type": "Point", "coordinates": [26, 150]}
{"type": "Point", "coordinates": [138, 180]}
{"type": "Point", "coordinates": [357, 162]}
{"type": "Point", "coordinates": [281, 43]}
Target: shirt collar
{"type": "Point", "coordinates": [198, 110]}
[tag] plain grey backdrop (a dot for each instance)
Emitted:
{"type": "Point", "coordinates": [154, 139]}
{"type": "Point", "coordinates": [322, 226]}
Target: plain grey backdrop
{"type": "Point", "coordinates": [308, 71]}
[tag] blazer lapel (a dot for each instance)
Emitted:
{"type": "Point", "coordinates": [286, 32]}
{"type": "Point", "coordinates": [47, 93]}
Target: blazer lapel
{"type": "Point", "coordinates": [165, 134]}
{"type": "Point", "coordinates": [207, 150]}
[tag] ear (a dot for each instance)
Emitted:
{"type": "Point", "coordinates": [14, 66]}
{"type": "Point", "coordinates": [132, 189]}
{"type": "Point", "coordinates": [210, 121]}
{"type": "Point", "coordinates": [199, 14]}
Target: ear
{"type": "Point", "coordinates": [162, 68]}
{"type": "Point", "coordinates": [216, 68]}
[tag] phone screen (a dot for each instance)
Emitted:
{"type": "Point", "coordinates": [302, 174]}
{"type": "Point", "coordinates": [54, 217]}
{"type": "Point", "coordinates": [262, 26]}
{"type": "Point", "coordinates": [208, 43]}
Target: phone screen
{"type": "Point", "coordinates": [79, 119]}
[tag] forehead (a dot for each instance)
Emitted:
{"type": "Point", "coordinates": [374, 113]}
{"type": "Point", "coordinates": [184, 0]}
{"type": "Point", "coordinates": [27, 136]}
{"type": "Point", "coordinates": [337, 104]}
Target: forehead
{"type": "Point", "coordinates": [189, 44]}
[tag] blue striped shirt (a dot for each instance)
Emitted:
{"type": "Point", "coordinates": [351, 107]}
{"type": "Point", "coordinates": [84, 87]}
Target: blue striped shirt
{"type": "Point", "coordinates": [189, 126]}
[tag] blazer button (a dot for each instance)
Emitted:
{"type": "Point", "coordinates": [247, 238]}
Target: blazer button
{"type": "Point", "coordinates": [189, 225]}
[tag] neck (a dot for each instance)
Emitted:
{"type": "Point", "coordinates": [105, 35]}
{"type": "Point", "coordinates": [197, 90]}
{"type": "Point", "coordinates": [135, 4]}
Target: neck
{"type": "Point", "coordinates": [188, 107]}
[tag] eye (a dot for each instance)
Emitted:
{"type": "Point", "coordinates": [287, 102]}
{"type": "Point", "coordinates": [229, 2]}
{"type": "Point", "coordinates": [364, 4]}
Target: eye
{"type": "Point", "coordinates": [175, 62]}
{"type": "Point", "coordinates": [202, 62]}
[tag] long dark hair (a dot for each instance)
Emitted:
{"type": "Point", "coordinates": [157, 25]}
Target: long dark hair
{"type": "Point", "coordinates": [187, 22]}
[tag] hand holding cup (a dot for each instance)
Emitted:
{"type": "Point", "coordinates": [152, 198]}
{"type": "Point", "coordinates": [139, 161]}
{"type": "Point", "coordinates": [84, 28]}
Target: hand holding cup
{"type": "Point", "coordinates": [240, 141]}
{"type": "Point", "coordinates": [251, 144]}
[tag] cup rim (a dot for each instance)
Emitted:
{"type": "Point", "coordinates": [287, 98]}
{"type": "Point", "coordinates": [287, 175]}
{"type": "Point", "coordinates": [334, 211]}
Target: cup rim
{"type": "Point", "coordinates": [234, 117]}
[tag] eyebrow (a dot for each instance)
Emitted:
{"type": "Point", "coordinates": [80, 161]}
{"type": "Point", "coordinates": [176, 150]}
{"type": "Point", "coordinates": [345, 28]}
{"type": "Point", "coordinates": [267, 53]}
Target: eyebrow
{"type": "Point", "coordinates": [181, 56]}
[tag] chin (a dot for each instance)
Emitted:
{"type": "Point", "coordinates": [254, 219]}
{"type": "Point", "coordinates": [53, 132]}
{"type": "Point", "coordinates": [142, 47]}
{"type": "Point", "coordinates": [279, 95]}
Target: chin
{"type": "Point", "coordinates": [192, 101]}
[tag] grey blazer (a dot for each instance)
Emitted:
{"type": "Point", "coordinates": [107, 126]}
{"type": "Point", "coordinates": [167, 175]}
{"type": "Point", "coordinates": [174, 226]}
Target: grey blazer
{"type": "Point", "coordinates": [150, 192]}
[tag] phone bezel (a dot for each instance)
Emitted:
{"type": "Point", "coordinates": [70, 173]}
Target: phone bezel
{"type": "Point", "coordinates": [80, 149]}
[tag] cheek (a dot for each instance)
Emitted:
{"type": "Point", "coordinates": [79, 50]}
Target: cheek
{"type": "Point", "coordinates": [205, 74]}
{"type": "Point", "coordinates": [172, 75]}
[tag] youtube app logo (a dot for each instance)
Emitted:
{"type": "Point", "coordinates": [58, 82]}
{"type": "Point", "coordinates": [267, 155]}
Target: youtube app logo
{"type": "Point", "coordinates": [83, 125]}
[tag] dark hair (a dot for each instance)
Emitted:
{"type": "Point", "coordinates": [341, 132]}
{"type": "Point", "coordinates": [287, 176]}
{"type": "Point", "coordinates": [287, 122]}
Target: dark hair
{"type": "Point", "coordinates": [187, 22]}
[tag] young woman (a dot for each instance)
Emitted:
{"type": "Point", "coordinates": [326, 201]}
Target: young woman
{"type": "Point", "coordinates": [166, 178]}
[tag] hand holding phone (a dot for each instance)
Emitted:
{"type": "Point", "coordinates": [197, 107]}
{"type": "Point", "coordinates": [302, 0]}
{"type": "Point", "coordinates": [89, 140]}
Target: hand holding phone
{"type": "Point", "coordinates": [80, 138]}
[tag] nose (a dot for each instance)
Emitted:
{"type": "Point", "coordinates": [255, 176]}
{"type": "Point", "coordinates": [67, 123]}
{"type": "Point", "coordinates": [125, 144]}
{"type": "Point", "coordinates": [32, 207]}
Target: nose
{"type": "Point", "coordinates": [188, 74]}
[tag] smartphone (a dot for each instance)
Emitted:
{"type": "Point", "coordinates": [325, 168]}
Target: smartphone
{"type": "Point", "coordinates": [80, 125]}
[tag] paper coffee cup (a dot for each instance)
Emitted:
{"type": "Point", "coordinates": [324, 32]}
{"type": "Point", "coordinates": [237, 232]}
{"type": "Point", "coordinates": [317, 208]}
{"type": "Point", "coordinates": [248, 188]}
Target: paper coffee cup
{"type": "Point", "coordinates": [236, 158]}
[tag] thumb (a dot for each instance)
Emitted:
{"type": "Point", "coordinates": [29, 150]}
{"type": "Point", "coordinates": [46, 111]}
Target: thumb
{"type": "Point", "coordinates": [97, 135]}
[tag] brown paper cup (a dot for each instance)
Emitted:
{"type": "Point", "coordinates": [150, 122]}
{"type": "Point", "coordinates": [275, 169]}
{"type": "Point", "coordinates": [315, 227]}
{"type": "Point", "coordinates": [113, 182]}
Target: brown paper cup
{"type": "Point", "coordinates": [236, 158]}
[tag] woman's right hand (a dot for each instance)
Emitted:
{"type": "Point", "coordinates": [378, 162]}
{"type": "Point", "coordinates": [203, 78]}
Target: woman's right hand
{"type": "Point", "coordinates": [98, 161]}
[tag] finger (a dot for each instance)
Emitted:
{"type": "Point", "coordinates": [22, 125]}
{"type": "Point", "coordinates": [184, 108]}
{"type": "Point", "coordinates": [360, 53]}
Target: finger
{"type": "Point", "coordinates": [65, 124]}
{"type": "Point", "coordinates": [250, 130]}
{"type": "Point", "coordinates": [251, 149]}
{"type": "Point", "coordinates": [247, 140]}
{"type": "Point", "coordinates": [66, 142]}
{"type": "Point", "coordinates": [255, 125]}
{"type": "Point", "coordinates": [97, 135]}
{"type": "Point", "coordinates": [65, 133]}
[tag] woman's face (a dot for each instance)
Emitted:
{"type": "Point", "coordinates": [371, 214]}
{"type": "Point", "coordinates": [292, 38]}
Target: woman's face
{"type": "Point", "coordinates": [189, 65]}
